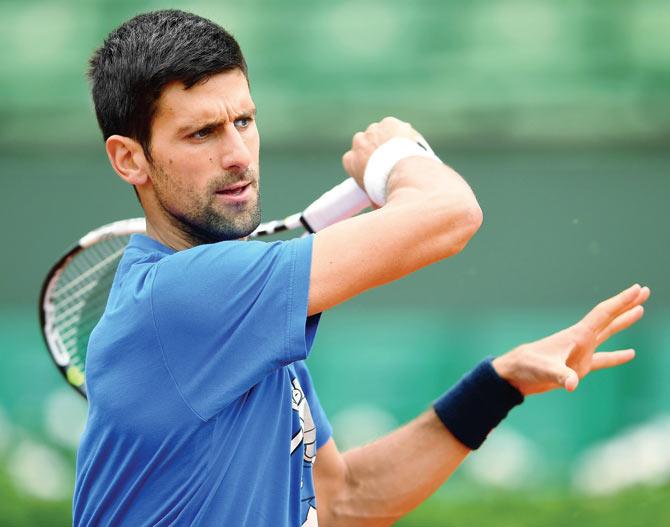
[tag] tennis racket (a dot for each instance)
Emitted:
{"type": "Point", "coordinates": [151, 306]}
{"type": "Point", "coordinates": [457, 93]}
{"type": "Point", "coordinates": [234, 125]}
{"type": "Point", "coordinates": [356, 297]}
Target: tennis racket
{"type": "Point", "coordinates": [75, 290]}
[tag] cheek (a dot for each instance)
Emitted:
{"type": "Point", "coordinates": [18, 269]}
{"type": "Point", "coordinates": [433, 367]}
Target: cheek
{"type": "Point", "coordinates": [188, 171]}
{"type": "Point", "coordinates": [177, 178]}
{"type": "Point", "coordinates": [253, 142]}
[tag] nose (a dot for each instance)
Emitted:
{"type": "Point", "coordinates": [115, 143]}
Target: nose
{"type": "Point", "coordinates": [236, 155]}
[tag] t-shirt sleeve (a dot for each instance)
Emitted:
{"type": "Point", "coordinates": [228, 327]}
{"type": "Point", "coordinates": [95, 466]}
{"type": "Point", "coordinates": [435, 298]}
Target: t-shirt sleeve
{"type": "Point", "coordinates": [227, 314]}
{"type": "Point", "coordinates": [324, 430]}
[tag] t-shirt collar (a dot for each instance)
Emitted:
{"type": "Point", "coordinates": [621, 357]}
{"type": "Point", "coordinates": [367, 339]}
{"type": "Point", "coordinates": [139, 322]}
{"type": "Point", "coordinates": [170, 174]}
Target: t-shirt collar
{"type": "Point", "coordinates": [147, 244]}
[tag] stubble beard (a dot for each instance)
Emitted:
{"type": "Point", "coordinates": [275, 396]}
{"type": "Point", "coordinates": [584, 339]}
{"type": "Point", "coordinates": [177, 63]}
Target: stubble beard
{"type": "Point", "coordinates": [203, 218]}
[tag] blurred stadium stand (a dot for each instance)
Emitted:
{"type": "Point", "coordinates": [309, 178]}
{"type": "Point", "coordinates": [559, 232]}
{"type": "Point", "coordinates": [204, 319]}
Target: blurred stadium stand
{"type": "Point", "coordinates": [557, 113]}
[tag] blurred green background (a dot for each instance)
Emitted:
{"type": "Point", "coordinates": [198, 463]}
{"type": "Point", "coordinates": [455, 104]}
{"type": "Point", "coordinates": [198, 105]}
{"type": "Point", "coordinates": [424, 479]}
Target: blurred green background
{"type": "Point", "coordinates": [556, 112]}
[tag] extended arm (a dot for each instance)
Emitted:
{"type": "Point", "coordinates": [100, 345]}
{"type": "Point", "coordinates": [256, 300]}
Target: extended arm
{"type": "Point", "coordinates": [376, 484]}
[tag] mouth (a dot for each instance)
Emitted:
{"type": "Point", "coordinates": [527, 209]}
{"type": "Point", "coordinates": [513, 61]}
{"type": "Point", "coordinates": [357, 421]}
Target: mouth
{"type": "Point", "coordinates": [237, 192]}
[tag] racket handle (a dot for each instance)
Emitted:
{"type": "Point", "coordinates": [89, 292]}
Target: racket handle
{"type": "Point", "coordinates": [340, 202]}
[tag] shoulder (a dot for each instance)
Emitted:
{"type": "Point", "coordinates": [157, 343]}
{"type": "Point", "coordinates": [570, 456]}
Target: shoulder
{"type": "Point", "coordinates": [234, 260]}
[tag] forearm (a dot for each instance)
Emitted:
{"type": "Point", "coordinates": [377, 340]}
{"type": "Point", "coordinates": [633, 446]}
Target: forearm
{"type": "Point", "coordinates": [391, 476]}
{"type": "Point", "coordinates": [430, 178]}
{"type": "Point", "coordinates": [431, 214]}
{"type": "Point", "coordinates": [378, 483]}
{"type": "Point", "coordinates": [434, 202]}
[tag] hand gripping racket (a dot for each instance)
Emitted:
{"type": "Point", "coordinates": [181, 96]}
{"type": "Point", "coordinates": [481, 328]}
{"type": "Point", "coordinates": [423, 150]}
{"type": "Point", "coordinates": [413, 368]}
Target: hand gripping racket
{"type": "Point", "coordinates": [75, 290]}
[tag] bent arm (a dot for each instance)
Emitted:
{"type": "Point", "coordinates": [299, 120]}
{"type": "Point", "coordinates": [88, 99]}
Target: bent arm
{"type": "Point", "coordinates": [430, 214]}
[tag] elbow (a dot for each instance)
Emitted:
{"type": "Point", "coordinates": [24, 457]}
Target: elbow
{"type": "Point", "coordinates": [463, 225]}
{"type": "Point", "coordinates": [474, 217]}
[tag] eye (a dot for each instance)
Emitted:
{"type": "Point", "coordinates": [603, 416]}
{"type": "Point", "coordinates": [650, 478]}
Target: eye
{"type": "Point", "coordinates": [203, 133]}
{"type": "Point", "coordinates": [242, 122]}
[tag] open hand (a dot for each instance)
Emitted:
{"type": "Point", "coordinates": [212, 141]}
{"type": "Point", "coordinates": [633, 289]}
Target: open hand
{"type": "Point", "coordinates": [562, 359]}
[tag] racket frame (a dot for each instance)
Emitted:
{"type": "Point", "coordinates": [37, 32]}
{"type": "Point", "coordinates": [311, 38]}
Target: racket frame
{"type": "Point", "coordinates": [59, 355]}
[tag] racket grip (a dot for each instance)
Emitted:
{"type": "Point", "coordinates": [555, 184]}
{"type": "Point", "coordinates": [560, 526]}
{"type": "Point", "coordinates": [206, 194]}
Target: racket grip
{"type": "Point", "coordinates": [340, 202]}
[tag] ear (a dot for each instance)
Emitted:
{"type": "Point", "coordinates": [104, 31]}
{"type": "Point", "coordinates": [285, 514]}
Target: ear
{"type": "Point", "coordinates": [128, 160]}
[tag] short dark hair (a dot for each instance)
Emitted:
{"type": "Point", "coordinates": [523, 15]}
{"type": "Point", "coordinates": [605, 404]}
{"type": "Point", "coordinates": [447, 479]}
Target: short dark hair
{"type": "Point", "coordinates": [140, 57]}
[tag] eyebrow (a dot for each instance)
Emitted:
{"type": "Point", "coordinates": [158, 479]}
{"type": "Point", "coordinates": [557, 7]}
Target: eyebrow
{"type": "Point", "coordinates": [205, 123]}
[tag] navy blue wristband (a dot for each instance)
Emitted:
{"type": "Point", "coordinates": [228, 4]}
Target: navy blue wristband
{"type": "Point", "coordinates": [477, 404]}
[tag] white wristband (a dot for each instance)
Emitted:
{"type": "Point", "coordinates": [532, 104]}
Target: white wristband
{"type": "Point", "coordinates": [385, 157]}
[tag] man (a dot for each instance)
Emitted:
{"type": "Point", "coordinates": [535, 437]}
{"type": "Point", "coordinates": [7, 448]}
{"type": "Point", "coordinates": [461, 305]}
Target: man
{"type": "Point", "coordinates": [202, 411]}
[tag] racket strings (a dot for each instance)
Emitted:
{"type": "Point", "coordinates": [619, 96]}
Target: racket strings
{"type": "Point", "coordinates": [83, 322]}
{"type": "Point", "coordinates": [83, 273]}
{"type": "Point", "coordinates": [96, 266]}
{"type": "Point", "coordinates": [86, 274]}
{"type": "Point", "coordinates": [80, 295]}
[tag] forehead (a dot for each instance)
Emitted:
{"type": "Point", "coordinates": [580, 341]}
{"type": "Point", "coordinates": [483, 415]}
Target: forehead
{"type": "Point", "coordinates": [217, 97]}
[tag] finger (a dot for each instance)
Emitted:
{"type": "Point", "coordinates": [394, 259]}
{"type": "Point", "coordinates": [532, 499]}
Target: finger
{"type": "Point", "coordinates": [348, 162]}
{"type": "Point", "coordinates": [566, 377]}
{"type": "Point", "coordinates": [620, 323]}
{"type": "Point", "coordinates": [610, 359]}
{"type": "Point", "coordinates": [605, 312]}
{"type": "Point", "coordinates": [571, 381]}
{"type": "Point", "coordinates": [642, 296]}
{"type": "Point", "coordinates": [358, 140]}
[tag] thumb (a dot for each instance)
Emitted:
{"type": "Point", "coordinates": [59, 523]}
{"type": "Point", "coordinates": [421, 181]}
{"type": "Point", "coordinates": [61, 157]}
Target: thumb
{"type": "Point", "coordinates": [567, 377]}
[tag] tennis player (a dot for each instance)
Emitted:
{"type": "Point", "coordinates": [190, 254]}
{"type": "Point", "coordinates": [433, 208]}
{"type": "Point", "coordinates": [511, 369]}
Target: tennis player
{"type": "Point", "coordinates": [202, 410]}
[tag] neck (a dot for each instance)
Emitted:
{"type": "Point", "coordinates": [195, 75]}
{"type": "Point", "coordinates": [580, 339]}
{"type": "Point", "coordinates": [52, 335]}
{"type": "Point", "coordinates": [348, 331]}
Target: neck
{"type": "Point", "coordinates": [171, 232]}
{"type": "Point", "coordinates": [169, 235]}
{"type": "Point", "coordinates": [167, 229]}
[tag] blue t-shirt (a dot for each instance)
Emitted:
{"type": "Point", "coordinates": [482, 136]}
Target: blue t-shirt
{"type": "Point", "coordinates": [201, 409]}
